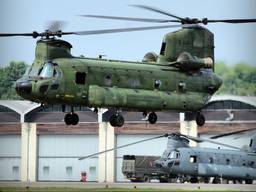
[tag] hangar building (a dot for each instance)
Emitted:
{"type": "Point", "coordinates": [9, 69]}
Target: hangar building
{"type": "Point", "coordinates": [36, 145]}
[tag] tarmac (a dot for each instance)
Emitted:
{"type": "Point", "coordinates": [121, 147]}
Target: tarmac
{"type": "Point", "coordinates": [171, 186]}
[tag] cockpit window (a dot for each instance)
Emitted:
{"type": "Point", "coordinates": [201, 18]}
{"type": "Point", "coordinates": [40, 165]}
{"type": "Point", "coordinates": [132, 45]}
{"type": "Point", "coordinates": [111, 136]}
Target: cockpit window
{"type": "Point", "coordinates": [174, 155]}
{"type": "Point", "coordinates": [171, 155]}
{"type": "Point", "coordinates": [47, 71]}
{"type": "Point", "coordinates": [33, 71]}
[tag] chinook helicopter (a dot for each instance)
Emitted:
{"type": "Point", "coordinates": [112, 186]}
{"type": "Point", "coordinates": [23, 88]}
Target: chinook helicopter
{"type": "Point", "coordinates": [179, 160]}
{"type": "Point", "coordinates": [180, 78]}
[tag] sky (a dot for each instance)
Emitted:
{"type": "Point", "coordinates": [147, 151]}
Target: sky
{"type": "Point", "coordinates": [233, 43]}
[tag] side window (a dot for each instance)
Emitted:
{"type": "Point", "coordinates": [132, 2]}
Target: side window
{"type": "Point", "coordinates": [80, 78]}
{"type": "Point", "coordinates": [182, 87]}
{"type": "Point", "coordinates": [193, 159]}
{"type": "Point", "coordinates": [162, 51]}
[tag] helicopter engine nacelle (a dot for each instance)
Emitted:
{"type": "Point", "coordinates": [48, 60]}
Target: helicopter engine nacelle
{"type": "Point", "coordinates": [187, 62]}
{"type": "Point", "coordinates": [150, 57]}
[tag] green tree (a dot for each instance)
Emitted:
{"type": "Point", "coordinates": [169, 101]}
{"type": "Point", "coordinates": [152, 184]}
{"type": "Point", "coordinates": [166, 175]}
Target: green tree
{"type": "Point", "coordinates": [8, 76]}
{"type": "Point", "coordinates": [239, 79]}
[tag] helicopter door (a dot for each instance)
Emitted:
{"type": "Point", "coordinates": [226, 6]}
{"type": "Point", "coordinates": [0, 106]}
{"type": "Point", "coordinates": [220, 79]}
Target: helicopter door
{"type": "Point", "coordinates": [81, 84]}
{"type": "Point", "coordinates": [193, 159]}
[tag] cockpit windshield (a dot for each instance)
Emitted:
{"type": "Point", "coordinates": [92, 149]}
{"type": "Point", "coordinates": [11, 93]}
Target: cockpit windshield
{"type": "Point", "coordinates": [47, 71]}
{"type": "Point", "coordinates": [174, 155]}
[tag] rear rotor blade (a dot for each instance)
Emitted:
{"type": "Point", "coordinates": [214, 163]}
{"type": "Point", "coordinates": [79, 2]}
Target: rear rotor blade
{"type": "Point", "coordinates": [232, 21]}
{"type": "Point", "coordinates": [232, 133]}
{"type": "Point", "coordinates": [198, 139]}
{"type": "Point", "coordinates": [131, 19]}
{"type": "Point", "coordinates": [104, 31]}
{"type": "Point", "coordinates": [158, 11]}
{"type": "Point", "coordinates": [122, 146]}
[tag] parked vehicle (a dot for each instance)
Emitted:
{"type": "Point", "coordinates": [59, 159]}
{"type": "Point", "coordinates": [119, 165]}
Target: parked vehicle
{"type": "Point", "coordinates": [138, 168]}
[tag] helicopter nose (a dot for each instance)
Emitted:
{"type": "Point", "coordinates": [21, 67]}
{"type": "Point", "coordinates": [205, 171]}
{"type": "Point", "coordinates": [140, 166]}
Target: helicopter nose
{"type": "Point", "coordinates": [158, 163]}
{"type": "Point", "coordinates": [218, 81]}
{"type": "Point", "coordinates": [23, 87]}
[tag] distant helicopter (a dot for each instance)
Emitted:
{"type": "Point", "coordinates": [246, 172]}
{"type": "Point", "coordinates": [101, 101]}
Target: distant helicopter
{"type": "Point", "coordinates": [180, 160]}
{"type": "Point", "coordinates": [180, 79]}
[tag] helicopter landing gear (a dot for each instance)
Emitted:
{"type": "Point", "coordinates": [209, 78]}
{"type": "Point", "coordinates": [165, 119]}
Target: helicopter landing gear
{"type": "Point", "coordinates": [248, 181]}
{"type": "Point", "coordinates": [200, 119]}
{"type": "Point", "coordinates": [193, 180]}
{"type": "Point", "coordinates": [216, 180]}
{"type": "Point", "coordinates": [70, 118]}
{"type": "Point", "coordinates": [116, 120]}
{"type": "Point", "coordinates": [152, 118]}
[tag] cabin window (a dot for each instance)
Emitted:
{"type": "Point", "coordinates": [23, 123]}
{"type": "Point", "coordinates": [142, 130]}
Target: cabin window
{"type": "Point", "coordinates": [228, 161]}
{"type": "Point", "coordinates": [193, 159]}
{"type": "Point", "coordinates": [251, 143]}
{"type": "Point", "coordinates": [162, 51]}
{"type": "Point", "coordinates": [108, 80]}
{"type": "Point", "coordinates": [181, 86]}
{"type": "Point", "coordinates": [251, 163]}
{"type": "Point", "coordinates": [157, 83]}
{"type": "Point", "coordinates": [80, 78]}
{"type": "Point", "coordinates": [177, 155]}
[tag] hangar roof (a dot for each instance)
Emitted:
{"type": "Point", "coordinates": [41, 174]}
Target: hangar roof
{"type": "Point", "coordinates": [19, 106]}
{"type": "Point", "coordinates": [244, 99]}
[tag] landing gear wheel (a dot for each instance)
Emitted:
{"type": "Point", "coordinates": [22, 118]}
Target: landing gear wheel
{"type": "Point", "coordinates": [152, 118]}
{"type": "Point", "coordinates": [216, 180]}
{"type": "Point", "coordinates": [193, 180]}
{"type": "Point", "coordinates": [116, 120]}
{"type": "Point", "coordinates": [75, 119]}
{"type": "Point", "coordinates": [112, 120]}
{"type": "Point", "coordinates": [200, 120]}
{"type": "Point", "coordinates": [146, 179]}
{"type": "Point", "coordinates": [68, 119]}
{"type": "Point", "coordinates": [71, 119]}
{"type": "Point", "coordinates": [248, 181]}
{"type": "Point", "coordinates": [206, 179]}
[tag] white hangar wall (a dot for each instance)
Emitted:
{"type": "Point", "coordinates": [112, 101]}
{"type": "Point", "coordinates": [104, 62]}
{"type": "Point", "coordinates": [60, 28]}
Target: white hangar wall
{"type": "Point", "coordinates": [10, 157]}
{"type": "Point", "coordinates": [58, 157]}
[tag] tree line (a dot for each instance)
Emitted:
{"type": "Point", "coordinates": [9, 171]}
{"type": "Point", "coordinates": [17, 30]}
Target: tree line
{"type": "Point", "coordinates": [239, 79]}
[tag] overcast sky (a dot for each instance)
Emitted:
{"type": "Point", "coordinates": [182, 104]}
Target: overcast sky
{"type": "Point", "coordinates": [233, 43]}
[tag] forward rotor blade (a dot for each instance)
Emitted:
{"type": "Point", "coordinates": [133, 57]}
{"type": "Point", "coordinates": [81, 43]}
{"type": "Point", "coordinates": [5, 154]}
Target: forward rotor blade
{"type": "Point", "coordinates": [198, 139]}
{"type": "Point", "coordinates": [92, 32]}
{"type": "Point", "coordinates": [232, 21]}
{"type": "Point", "coordinates": [158, 11]}
{"type": "Point", "coordinates": [15, 34]}
{"type": "Point", "coordinates": [104, 31]}
{"type": "Point", "coordinates": [122, 146]}
{"type": "Point", "coordinates": [131, 19]}
{"type": "Point", "coordinates": [232, 133]}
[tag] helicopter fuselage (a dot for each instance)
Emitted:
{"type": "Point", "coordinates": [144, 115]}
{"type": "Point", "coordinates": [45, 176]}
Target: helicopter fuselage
{"type": "Point", "coordinates": [120, 84]}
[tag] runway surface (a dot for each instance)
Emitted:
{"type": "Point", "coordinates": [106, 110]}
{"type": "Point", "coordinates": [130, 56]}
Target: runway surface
{"type": "Point", "coordinates": [171, 186]}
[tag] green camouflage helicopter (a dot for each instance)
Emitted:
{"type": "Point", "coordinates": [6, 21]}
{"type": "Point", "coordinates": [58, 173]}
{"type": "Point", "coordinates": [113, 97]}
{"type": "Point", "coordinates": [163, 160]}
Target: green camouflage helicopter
{"type": "Point", "coordinates": [180, 78]}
